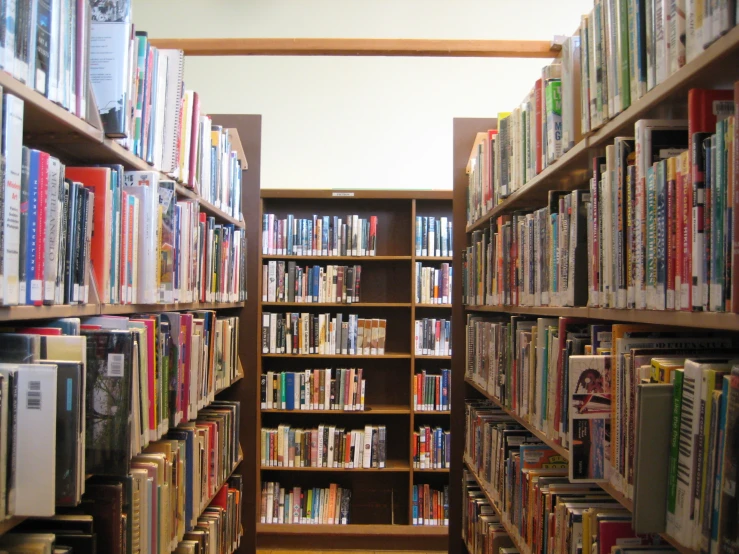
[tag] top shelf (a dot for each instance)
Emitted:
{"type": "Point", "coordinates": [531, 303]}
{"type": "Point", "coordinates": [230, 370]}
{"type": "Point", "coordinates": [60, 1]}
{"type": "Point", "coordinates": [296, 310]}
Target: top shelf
{"type": "Point", "coordinates": [714, 68]}
{"type": "Point", "coordinates": [51, 127]}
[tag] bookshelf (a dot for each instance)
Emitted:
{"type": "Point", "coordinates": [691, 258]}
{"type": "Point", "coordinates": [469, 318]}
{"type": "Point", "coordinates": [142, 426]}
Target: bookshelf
{"type": "Point", "coordinates": [74, 140]}
{"type": "Point", "coordinates": [713, 68]}
{"type": "Point", "coordinates": [381, 498]}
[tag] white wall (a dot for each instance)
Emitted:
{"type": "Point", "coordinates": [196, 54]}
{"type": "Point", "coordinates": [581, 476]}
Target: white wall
{"type": "Point", "coordinates": [359, 122]}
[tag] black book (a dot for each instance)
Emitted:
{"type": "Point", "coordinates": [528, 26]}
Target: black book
{"type": "Point", "coordinates": [23, 20]}
{"type": "Point", "coordinates": [23, 247]}
{"type": "Point", "coordinates": [40, 78]}
{"type": "Point", "coordinates": [108, 418]}
{"type": "Point", "coordinates": [17, 348]}
{"type": "Point", "coordinates": [70, 254]}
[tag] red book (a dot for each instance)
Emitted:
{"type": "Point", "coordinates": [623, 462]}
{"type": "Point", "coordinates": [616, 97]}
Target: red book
{"type": "Point", "coordinates": [373, 235]}
{"type": "Point", "coordinates": [48, 331]}
{"type": "Point", "coordinates": [86, 327]}
{"type": "Point", "coordinates": [671, 220]}
{"type": "Point", "coordinates": [97, 179]}
{"type": "Point", "coordinates": [703, 107]}
{"type": "Point", "coordinates": [37, 279]}
{"type": "Point", "coordinates": [679, 236]}
{"type": "Point", "coordinates": [687, 271]}
{"type": "Point", "coordinates": [539, 102]}
{"type": "Point", "coordinates": [612, 532]}
{"type": "Point", "coordinates": [221, 498]}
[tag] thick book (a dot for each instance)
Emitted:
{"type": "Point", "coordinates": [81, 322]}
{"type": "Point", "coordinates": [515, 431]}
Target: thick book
{"type": "Point", "coordinates": [109, 382]}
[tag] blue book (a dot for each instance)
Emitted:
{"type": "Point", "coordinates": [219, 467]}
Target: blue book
{"type": "Point", "coordinates": [316, 282]}
{"type": "Point", "coordinates": [716, 501]}
{"type": "Point", "coordinates": [415, 504]}
{"type": "Point", "coordinates": [289, 391]}
{"type": "Point", "coordinates": [290, 238]}
{"type": "Point", "coordinates": [325, 246]}
{"type": "Point", "coordinates": [32, 222]}
{"type": "Point", "coordinates": [419, 221]}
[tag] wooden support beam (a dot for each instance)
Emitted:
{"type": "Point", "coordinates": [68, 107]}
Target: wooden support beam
{"type": "Point", "coordinates": [360, 47]}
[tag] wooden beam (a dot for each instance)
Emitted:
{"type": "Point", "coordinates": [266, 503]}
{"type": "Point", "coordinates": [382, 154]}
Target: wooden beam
{"type": "Point", "coordinates": [360, 47]}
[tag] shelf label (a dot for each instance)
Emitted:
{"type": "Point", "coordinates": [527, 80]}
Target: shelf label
{"type": "Point", "coordinates": [342, 194]}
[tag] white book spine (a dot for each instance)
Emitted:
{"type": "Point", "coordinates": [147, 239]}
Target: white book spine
{"type": "Point", "coordinates": [12, 150]}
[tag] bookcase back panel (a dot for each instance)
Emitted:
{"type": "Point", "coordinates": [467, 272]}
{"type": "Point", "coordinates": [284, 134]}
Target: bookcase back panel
{"type": "Point", "coordinates": [433, 208]}
{"type": "Point", "coordinates": [393, 217]}
{"type": "Point", "coordinates": [387, 382]}
{"type": "Point", "coordinates": [380, 282]}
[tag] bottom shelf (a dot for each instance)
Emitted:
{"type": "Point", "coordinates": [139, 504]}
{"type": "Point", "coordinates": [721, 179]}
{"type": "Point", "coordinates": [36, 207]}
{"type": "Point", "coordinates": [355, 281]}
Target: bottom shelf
{"type": "Point", "coordinates": [353, 529]}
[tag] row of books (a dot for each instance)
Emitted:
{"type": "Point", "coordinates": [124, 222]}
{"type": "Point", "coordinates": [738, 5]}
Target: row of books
{"type": "Point", "coordinates": [319, 236]}
{"type": "Point", "coordinates": [433, 236]}
{"type": "Point", "coordinates": [143, 102]}
{"type": "Point", "coordinates": [326, 446]}
{"type": "Point", "coordinates": [432, 337]}
{"type": "Point", "coordinates": [483, 531]}
{"type": "Point", "coordinates": [150, 248]}
{"type": "Point", "coordinates": [654, 231]}
{"type": "Point", "coordinates": [304, 333]}
{"type": "Point", "coordinates": [47, 47]}
{"type": "Point", "coordinates": [430, 506]}
{"type": "Point", "coordinates": [432, 392]}
{"type": "Point", "coordinates": [620, 51]}
{"type": "Point", "coordinates": [217, 529]}
{"type": "Point", "coordinates": [340, 389]}
{"type": "Point", "coordinates": [433, 284]}
{"type": "Point", "coordinates": [580, 385]}
{"type": "Point", "coordinates": [334, 283]}
{"type": "Point", "coordinates": [127, 380]}
{"type": "Point", "coordinates": [431, 448]}
{"type": "Point", "coordinates": [327, 506]}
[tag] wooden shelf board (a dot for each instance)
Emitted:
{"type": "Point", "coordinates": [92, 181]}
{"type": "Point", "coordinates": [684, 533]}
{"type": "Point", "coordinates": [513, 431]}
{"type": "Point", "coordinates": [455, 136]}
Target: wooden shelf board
{"type": "Point", "coordinates": [377, 409]}
{"type": "Point", "coordinates": [392, 466]}
{"type": "Point", "coordinates": [338, 356]}
{"type": "Point", "coordinates": [357, 194]}
{"type": "Point", "coordinates": [338, 258]}
{"type": "Point", "coordinates": [433, 258]}
{"type": "Point", "coordinates": [422, 306]}
{"type": "Point", "coordinates": [447, 48]}
{"type": "Point", "coordinates": [352, 529]}
{"type": "Point", "coordinates": [220, 486]}
{"type": "Point", "coordinates": [122, 309]}
{"type": "Point", "coordinates": [10, 523]}
{"type": "Point", "coordinates": [236, 146]}
{"type": "Point", "coordinates": [431, 412]}
{"type": "Point", "coordinates": [232, 383]}
{"type": "Point", "coordinates": [338, 304]}
{"type": "Point", "coordinates": [435, 470]}
{"type": "Point", "coordinates": [421, 357]}
{"type": "Point", "coordinates": [713, 68]}
{"type": "Point", "coordinates": [11, 313]}
{"type": "Point", "coordinates": [706, 320]}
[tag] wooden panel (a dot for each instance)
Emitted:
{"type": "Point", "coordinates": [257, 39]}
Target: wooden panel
{"type": "Point", "coordinates": [360, 47]}
{"type": "Point", "coordinates": [464, 135]}
{"type": "Point", "coordinates": [250, 133]}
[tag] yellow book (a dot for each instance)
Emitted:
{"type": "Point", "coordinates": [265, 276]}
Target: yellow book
{"type": "Point", "coordinates": [662, 369]}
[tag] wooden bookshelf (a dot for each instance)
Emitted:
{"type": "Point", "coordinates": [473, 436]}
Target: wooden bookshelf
{"type": "Point", "coordinates": [381, 498]}
{"type": "Point", "coordinates": [713, 68]}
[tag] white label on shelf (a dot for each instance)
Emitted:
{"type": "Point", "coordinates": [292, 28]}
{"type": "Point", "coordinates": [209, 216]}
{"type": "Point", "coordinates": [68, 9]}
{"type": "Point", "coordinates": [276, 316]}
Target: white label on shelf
{"type": "Point", "coordinates": [342, 194]}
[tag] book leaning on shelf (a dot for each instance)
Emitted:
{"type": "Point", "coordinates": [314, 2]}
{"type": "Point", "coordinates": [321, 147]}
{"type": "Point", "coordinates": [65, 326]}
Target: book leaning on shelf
{"type": "Point", "coordinates": [433, 236]}
{"type": "Point", "coordinates": [645, 409]}
{"type": "Point", "coordinates": [655, 230]}
{"type": "Point", "coordinates": [431, 448]}
{"type": "Point", "coordinates": [344, 334]}
{"type": "Point", "coordinates": [433, 285]}
{"type": "Point", "coordinates": [433, 337]}
{"type": "Point", "coordinates": [430, 506]}
{"type": "Point", "coordinates": [287, 282]}
{"type": "Point", "coordinates": [620, 51]}
{"type": "Point", "coordinates": [317, 389]}
{"type": "Point", "coordinates": [319, 236]}
{"type": "Point", "coordinates": [326, 446]}
{"type": "Point", "coordinates": [327, 506]}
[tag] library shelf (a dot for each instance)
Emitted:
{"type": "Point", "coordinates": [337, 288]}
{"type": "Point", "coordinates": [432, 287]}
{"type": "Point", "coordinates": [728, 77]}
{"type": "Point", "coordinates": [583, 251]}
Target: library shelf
{"type": "Point", "coordinates": [337, 258]}
{"type": "Point", "coordinates": [207, 207]}
{"type": "Point", "coordinates": [392, 466]}
{"type": "Point", "coordinates": [337, 304]}
{"type": "Point", "coordinates": [352, 529]}
{"type": "Point", "coordinates": [236, 380]}
{"type": "Point", "coordinates": [389, 356]}
{"type": "Point", "coordinates": [113, 309]}
{"type": "Point", "coordinates": [705, 320]}
{"type": "Point", "coordinates": [431, 470]}
{"type": "Point", "coordinates": [433, 258]}
{"type": "Point", "coordinates": [10, 523]}
{"type": "Point", "coordinates": [376, 409]}
{"type": "Point", "coordinates": [431, 412]}
{"type": "Point", "coordinates": [20, 313]}
{"type": "Point", "coordinates": [620, 498]}
{"type": "Point", "coordinates": [387, 291]}
{"type": "Point", "coordinates": [715, 67]}
{"type": "Point", "coordinates": [220, 486]}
